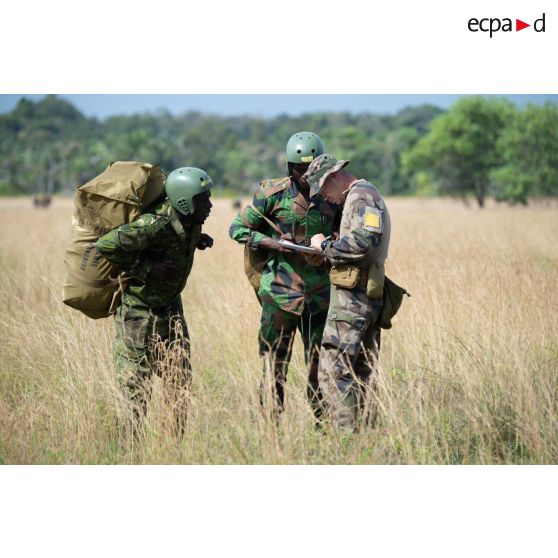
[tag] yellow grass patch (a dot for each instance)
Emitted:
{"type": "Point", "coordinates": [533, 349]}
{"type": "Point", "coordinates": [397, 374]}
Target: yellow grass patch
{"type": "Point", "coordinates": [469, 373]}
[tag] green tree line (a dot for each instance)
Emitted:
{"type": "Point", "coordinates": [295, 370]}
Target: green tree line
{"type": "Point", "coordinates": [480, 146]}
{"type": "Point", "coordinates": [488, 147]}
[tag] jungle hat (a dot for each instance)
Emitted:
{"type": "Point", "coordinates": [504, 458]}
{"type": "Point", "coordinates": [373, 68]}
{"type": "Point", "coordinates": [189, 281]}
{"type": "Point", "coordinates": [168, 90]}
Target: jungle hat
{"type": "Point", "coordinates": [320, 168]}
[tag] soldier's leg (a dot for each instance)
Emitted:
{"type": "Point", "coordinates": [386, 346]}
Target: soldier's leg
{"type": "Point", "coordinates": [337, 379]}
{"type": "Point", "coordinates": [131, 353]}
{"type": "Point", "coordinates": [180, 347]}
{"type": "Point", "coordinates": [170, 343]}
{"type": "Point", "coordinates": [366, 371]}
{"type": "Point", "coordinates": [170, 356]}
{"type": "Point", "coordinates": [311, 328]}
{"type": "Point", "coordinates": [276, 336]}
{"type": "Point", "coordinates": [343, 334]}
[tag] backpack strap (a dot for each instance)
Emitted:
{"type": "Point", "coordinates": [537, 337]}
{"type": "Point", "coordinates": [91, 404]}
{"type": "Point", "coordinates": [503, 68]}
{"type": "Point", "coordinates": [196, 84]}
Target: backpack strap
{"type": "Point", "coordinates": [269, 222]}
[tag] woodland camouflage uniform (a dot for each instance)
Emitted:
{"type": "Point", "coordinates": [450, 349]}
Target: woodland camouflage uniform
{"type": "Point", "coordinates": [293, 293]}
{"type": "Point", "coordinates": [150, 316]}
{"type": "Point", "coordinates": [351, 340]}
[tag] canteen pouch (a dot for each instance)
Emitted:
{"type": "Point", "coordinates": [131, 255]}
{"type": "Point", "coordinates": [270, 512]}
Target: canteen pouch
{"type": "Point", "coordinates": [345, 276]}
{"type": "Point", "coordinates": [375, 283]}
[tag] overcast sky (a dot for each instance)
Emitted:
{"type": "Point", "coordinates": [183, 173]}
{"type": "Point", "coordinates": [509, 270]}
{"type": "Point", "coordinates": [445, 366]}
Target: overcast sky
{"type": "Point", "coordinates": [102, 106]}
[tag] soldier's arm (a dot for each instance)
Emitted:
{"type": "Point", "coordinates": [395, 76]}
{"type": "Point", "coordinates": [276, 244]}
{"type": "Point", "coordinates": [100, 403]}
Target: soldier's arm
{"type": "Point", "coordinates": [124, 246]}
{"type": "Point", "coordinates": [248, 224]}
{"type": "Point", "coordinates": [366, 224]}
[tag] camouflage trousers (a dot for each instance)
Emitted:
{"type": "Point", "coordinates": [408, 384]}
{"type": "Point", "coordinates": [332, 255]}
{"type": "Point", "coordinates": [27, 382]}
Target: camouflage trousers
{"type": "Point", "coordinates": [276, 337]}
{"type": "Point", "coordinates": [349, 357]}
{"type": "Point", "coordinates": [152, 341]}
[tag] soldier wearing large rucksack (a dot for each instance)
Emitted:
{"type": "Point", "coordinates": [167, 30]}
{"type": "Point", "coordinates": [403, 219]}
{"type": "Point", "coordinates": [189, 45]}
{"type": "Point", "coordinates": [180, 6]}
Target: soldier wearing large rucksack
{"type": "Point", "coordinates": [152, 257]}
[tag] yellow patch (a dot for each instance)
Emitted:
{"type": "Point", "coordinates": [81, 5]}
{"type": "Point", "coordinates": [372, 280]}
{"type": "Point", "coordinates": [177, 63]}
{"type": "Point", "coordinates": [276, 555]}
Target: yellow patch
{"type": "Point", "coordinates": [372, 220]}
{"type": "Point", "coordinates": [204, 183]}
{"type": "Point", "coordinates": [307, 159]}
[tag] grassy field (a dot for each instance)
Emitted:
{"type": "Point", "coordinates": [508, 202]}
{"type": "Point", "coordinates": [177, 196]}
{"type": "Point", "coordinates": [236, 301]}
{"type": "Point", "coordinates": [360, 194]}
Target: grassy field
{"type": "Point", "coordinates": [469, 373]}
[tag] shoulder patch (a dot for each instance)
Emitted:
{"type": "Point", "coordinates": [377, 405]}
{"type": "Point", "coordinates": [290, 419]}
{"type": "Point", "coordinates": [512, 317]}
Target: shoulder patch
{"type": "Point", "coordinates": [373, 220]}
{"type": "Point", "coordinates": [273, 185]}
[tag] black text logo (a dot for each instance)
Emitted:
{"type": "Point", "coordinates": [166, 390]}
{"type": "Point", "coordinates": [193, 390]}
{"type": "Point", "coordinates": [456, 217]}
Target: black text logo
{"type": "Point", "coordinates": [493, 25]}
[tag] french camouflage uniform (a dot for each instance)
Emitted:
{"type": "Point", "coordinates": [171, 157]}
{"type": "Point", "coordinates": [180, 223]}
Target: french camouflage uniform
{"type": "Point", "coordinates": [294, 294]}
{"type": "Point", "coordinates": [351, 340]}
{"type": "Point", "coordinates": [151, 332]}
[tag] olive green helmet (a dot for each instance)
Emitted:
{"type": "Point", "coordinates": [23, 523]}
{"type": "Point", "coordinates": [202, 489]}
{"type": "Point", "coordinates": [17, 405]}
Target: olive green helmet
{"type": "Point", "coordinates": [183, 184]}
{"type": "Point", "coordinates": [304, 147]}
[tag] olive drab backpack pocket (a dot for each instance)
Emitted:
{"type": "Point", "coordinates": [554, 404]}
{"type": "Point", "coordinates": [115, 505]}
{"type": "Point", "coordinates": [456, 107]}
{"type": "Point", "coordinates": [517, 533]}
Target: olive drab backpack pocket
{"type": "Point", "coordinates": [393, 297]}
{"type": "Point", "coordinates": [117, 196]}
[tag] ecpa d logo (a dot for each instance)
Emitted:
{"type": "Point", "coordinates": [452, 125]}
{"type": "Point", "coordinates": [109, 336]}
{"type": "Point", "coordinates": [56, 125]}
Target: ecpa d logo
{"type": "Point", "coordinates": [492, 25]}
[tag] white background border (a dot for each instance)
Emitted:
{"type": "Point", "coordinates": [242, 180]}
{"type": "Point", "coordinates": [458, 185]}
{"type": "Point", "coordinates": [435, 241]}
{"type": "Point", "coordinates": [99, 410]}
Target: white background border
{"type": "Point", "coordinates": [278, 511]}
{"type": "Point", "coordinates": [249, 46]}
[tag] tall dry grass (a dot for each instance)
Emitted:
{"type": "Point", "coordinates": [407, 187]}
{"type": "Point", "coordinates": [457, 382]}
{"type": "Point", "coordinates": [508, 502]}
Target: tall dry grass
{"type": "Point", "coordinates": [469, 373]}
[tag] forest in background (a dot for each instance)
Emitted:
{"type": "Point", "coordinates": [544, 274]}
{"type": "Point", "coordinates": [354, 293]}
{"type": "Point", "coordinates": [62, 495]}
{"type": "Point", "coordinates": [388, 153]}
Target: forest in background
{"type": "Point", "coordinates": [481, 147]}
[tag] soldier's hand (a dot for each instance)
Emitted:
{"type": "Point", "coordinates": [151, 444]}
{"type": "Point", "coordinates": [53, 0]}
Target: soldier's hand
{"type": "Point", "coordinates": [204, 242]}
{"type": "Point", "coordinates": [271, 244]}
{"type": "Point", "coordinates": [160, 269]}
{"type": "Point", "coordinates": [316, 241]}
{"type": "Point", "coordinates": [287, 236]}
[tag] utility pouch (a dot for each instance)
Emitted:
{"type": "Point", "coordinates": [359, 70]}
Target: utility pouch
{"type": "Point", "coordinates": [254, 263]}
{"type": "Point", "coordinates": [255, 260]}
{"type": "Point", "coordinates": [345, 276]}
{"type": "Point", "coordinates": [393, 297]}
{"type": "Point", "coordinates": [375, 283]}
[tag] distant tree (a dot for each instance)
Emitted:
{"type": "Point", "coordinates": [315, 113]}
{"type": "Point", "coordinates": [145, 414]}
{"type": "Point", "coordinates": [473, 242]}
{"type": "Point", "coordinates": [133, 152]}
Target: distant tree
{"type": "Point", "coordinates": [529, 151]}
{"type": "Point", "coordinates": [460, 151]}
{"type": "Point", "coordinates": [417, 118]}
{"type": "Point", "coordinates": [34, 140]}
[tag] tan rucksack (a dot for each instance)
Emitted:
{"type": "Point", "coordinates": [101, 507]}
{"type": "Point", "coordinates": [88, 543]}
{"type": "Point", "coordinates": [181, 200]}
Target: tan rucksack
{"type": "Point", "coordinates": [117, 196]}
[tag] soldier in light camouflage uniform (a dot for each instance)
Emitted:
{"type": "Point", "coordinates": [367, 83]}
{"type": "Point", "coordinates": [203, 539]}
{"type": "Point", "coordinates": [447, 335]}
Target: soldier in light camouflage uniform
{"type": "Point", "coordinates": [293, 293]}
{"type": "Point", "coordinates": [351, 340]}
{"type": "Point", "coordinates": [156, 252]}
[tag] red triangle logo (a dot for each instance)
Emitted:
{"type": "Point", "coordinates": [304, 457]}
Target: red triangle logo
{"type": "Point", "coordinates": [519, 25]}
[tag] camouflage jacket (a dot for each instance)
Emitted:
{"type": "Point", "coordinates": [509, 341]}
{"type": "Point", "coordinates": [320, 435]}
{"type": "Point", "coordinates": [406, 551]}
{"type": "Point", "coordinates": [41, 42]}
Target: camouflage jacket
{"type": "Point", "coordinates": [154, 237]}
{"type": "Point", "coordinates": [365, 228]}
{"type": "Point", "coordinates": [288, 282]}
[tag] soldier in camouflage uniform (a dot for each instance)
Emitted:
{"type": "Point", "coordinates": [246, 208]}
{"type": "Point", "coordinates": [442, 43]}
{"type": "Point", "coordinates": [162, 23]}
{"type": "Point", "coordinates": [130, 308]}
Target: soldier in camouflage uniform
{"type": "Point", "coordinates": [293, 292]}
{"type": "Point", "coordinates": [156, 252]}
{"type": "Point", "coordinates": [351, 340]}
